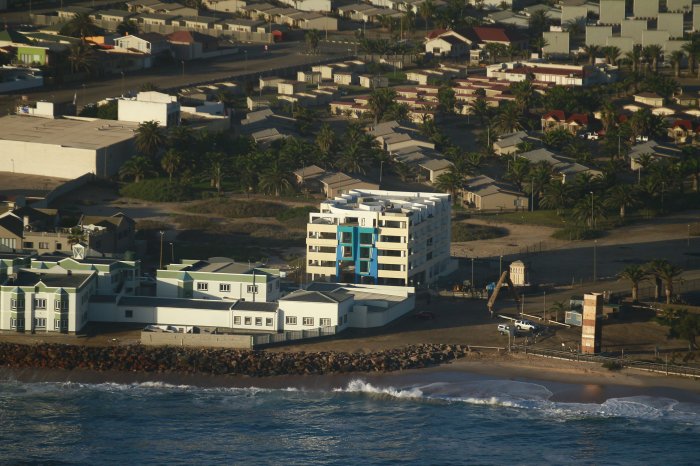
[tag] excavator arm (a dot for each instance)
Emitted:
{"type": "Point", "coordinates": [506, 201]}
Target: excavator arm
{"type": "Point", "coordinates": [505, 278]}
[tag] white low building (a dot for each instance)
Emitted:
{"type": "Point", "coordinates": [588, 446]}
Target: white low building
{"type": "Point", "coordinates": [64, 148]}
{"type": "Point", "coordinates": [150, 106]}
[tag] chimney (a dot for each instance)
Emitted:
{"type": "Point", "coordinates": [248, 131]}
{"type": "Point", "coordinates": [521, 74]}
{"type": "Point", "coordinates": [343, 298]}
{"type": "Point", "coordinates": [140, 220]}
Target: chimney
{"type": "Point", "coordinates": [25, 221]}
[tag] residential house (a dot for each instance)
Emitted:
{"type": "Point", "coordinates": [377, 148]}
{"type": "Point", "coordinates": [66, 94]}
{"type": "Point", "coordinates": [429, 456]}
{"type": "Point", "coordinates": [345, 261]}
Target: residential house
{"type": "Point", "coordinates": [683, 131]}
{"type": "Point", "coordinates": [290, 87]}
{"type": "Point", "coordinates": [557, 119]}
{"type": "Point", "coordinates": [309, 77]}
{"type": "Point", "coordinates": [448, 44]}
{"type": "Point", "coordinates": [507, 144]}
{"type": "Point", "coordinates": [563, 167]}
{"type": "Point", "coordinates": [191, 45]}
{"type": "Point", "coordinates": [373, 82]}
{"type": "Point", "coordinates": [483, 35]}
{"type": "Point", "coordinates": [484, 193]}
{"type": "Point", "coordinates": [649, 98]}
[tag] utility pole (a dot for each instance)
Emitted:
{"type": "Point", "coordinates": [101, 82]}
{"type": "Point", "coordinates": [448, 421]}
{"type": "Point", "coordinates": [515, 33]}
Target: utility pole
{"type": "Point", "coordinates": [162, 233]}
{"type": "Point", "coordinates": [595, 261]}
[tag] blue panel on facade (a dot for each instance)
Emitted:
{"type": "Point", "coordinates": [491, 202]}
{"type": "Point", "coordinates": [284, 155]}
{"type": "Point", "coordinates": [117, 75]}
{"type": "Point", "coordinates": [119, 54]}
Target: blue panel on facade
{"type": "Point", "coordinates": [349, 237]}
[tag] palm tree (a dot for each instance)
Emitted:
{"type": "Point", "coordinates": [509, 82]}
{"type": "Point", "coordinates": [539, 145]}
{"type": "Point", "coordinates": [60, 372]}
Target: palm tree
{"type": "Point", "coordinates": [149, 138]}
{"type": "Point", "coordinates": [180, 137]}
{"type": "Point", "coordinates": [540, 175]}
{"type": "Point", "coordinates": [77, 235]}
{"type": "Point", "coordinates": [676, 59]}
{"type": "Point", "coordinates": [379, 102]}
{"type": "Point", "coordinates": [655, 268]}
{"type": "Point", "coordinates": [556, 196]}
{"type": "Point", "coordinates": [215, 169]}
{"type": "Point", "coordinates": [312, 38]}
{"type": "Point", "coordinates": [481, 110]}
{"type": "Point", "coordinates": [136, 167]}
{"type": "Point", "coordinates": [652, 53]}
{"type": "Point", "coordinates": [633, 57]}
{"type": "Point", "coordinates": [508, 119]}
{"type": "Point", "coordinates": [669, 273]}
{"type": "Point", "coordinates": [611, 53]}
{"type": "Point", "coordinates": [690, 165]}
{"type": "Point", "coordinates": [517, 172]}
{"type": "Point", "coordinates": [353, 157]}
{"type": "Point", "coordinates": [524, 93]}
{"type": "Point", "coordinates": [450, 182]}
{"type": "Point", "coordinates": [325, 140]}
{"type": "Point", "coordinates": [557, 307]}
{"type": "Point", "coordinates": [170, 162]}
{"type": "Point", "coordinates": [635, 274]}
{"type": "Point", "coordinates": [575, 26]}
{"type": "Point", "coordinates": [275, 179]}
{"type": "Point", "coordinates": [692, 49]}
{"type": "Point", "coordinates": [81, 25]}
{"type": "Point", "coordinates": [622, 196]}
{"type": "Point", "coordinates": [495, 50]}
{"type": "Point", "coordinates": [591, 50]}
{"type": "Point", "coordinates": [81, 57]}
{"type": "Point", "coordinates": [426, 11]}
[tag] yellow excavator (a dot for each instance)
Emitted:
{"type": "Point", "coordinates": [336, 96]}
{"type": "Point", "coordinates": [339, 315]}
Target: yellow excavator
{"type": "Point", "coordinates": [505, 278]}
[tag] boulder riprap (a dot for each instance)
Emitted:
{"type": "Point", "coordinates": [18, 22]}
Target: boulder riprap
{"type": "Point", "coordinates": [138, 358]}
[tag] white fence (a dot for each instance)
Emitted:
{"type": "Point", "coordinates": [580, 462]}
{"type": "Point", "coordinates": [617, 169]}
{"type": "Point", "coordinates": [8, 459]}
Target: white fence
{"type": "Point", "coordinates": [292, 335]}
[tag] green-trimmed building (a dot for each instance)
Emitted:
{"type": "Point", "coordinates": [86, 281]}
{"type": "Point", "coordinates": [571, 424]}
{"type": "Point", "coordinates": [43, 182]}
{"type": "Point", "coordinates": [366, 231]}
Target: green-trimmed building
{"type": "Point", "coordinates": [46, 302]}
{"type": "Point", "coordinates": [218, 278]}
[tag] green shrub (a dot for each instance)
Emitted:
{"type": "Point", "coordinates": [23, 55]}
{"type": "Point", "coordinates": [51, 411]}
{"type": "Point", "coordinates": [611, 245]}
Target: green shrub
{"type": "Point", "coordinates": [157, 190]}
{"type": "Point", "coordinates": [613, 365]}
{"type": "Point", "coordinates": [574, 234]}
{"type": "Point", "coordinates": [469, 232]}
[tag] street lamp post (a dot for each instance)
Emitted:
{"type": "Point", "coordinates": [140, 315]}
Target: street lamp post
{"type": "Point", "coordinates": [381, 171]}
{"type": "Point", "coordinates": [122, 73]}
{"type": "Point", "coordinates": [183, 66]}
{"type": "Point", "coordinates": [162, 233]}
{"type": "Point", "coordinates": [472, 273]}
{"type": "Point", "coordinates": [595, 261]}
{"type": "Point", "coordinates": [592, 213]}
{"type": "Point", "coordinates": [172, 252]}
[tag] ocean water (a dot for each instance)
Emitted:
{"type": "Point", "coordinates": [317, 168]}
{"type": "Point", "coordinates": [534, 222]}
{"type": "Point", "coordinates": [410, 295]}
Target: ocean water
{"type": "Point", "coordinates": [429, 420]}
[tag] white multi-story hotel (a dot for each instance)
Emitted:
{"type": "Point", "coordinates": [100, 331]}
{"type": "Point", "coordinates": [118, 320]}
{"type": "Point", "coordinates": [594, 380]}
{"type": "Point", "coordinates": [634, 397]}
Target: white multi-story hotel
{"type": "Point", "coordinates": [381, 237]}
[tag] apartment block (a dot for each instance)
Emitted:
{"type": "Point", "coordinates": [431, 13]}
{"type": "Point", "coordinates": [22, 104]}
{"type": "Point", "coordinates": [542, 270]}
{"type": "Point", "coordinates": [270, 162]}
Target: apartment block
{"type": "Point", "coordinates": [381, 237]}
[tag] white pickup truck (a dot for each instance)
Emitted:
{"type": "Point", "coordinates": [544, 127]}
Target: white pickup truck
{"type": "Point", "coordinates": [525, 325]}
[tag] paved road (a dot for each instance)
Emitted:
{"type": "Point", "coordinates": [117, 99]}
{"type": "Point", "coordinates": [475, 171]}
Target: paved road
{"type": "Point", "coordinates": [258, 62]}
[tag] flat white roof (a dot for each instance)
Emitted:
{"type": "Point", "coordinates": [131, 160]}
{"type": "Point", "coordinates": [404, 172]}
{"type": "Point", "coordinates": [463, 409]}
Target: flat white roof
{"type": "Point", "coordinates": [81, 134]}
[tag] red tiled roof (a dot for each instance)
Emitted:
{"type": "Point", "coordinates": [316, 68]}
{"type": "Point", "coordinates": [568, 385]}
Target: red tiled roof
{"type": "Point", "coordinates": [558, 115]}
{"type": "Point", "coordinates": [435, 33]}
{"type": "Point", "coordinates": [580, 118]}
{"type": "Point", "coordinates": [190, 37]}
{"type": "Point", "coordinates": [685, 124]}
{"type": "Point", "coordinates": [495, 34]}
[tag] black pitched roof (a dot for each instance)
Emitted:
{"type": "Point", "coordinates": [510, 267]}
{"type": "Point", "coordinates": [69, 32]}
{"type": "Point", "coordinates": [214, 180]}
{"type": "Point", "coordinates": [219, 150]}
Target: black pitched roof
{"type": "Point", "coordinates": [255, 306]}
{"type": "Point", "coordinates": [205, 304]}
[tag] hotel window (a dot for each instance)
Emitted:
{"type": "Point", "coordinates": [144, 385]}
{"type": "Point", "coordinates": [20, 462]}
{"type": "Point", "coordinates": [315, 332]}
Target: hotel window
{"type": "Point", "coordinates": [57, 325]}
{"type": "Point", "coordinates": [258, 321]}
{"type": "Point", "coordinates": [248, 320]}
{"type": "Point", "coordinates": [290, 320]}
{"type": "Point", "coordinates": [308, 321]}
{"type": "Point", "coordinates": [43, 245]}
{"type": "Point", "coordinates": [40, 322]}
{"type": "Point", "coordinates": [202, 286]}
{"type": "Point", "coordinates": [128, 314]}
{"type": "Point", "coordinates": [268, 322]}
{"type": "Point", "coordinates": [28, 245]}
{"type": "Point", "coordinates": [39, 303]}
{"type": "Point", "coordinates": [16, 303]}
{"type": "Point", "coordinates": [224, 287]}
{"type": "Point", "coordinates": [236, 320]}
{"type": "Point", "coordinates": [325, 322]}
{"type": "Point", "coordinates": [252, 288]}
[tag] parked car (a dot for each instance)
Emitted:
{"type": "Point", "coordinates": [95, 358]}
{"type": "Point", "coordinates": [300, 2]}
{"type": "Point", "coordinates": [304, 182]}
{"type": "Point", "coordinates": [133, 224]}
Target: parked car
{"type": "Point", "coordinates": [525, 325]}
{"type": "Point", "coordinates": [503, 329]}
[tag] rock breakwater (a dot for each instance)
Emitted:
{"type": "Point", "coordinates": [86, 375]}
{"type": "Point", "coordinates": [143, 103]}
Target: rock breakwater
{"type": "Point", "coordinates": [138, 358]}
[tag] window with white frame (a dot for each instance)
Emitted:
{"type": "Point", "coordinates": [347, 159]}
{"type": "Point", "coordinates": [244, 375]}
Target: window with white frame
{"type": "Point", "coordinates": [252, 288]}
{"type": "Point", "coordinates": [248, 320]}
{"type": "Point", "coordinates": [309, 321]}
{"type": "Point", "coordinates": [16, 303]}
{"type": "Point", "coordinates": [202, 286]}
{"type": "Point", "coordinates": [40, 303]}
{"type": "Point", "coordinates": [60, 305]}
{"type": "Point", "coordinates": [16, 323]}
{"type": "Point", "coordinates": [268, 322]}
{"type": "Point", "coordinates": [325, 322]}
{"type": "Point", "coordinates": [39, 322]}
{"type": "Point", "coordinates": [290, 320]}
{"type": "Point", "coordinates": [224, 287]}
{"type": "Point", "coordinates": [236, 320]}
{"type": "Point", "coordinates": [258, 321]}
